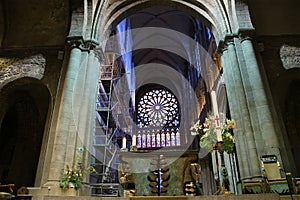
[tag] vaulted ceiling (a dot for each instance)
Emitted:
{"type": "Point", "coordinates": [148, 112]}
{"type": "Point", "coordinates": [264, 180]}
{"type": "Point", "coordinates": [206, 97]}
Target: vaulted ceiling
{"type": "Point", "coordinates": [168, 18]}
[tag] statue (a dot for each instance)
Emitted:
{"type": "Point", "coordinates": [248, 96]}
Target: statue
{"type": "Point", "coordinates": [196, 172]}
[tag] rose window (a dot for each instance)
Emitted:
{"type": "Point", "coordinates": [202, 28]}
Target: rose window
{"type": "Point", "coordinates": [158, 108]}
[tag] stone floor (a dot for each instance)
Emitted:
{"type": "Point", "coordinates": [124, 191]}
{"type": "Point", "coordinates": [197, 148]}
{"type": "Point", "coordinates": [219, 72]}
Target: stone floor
{"type": "Point", "coordinates": [216, 197]}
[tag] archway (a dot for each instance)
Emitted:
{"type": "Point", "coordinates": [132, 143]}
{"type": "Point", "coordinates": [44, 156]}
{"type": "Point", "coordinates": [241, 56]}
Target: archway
{"type": "Point", "coordinates": [25, 108]}
{"type": "Point", "coordinates": [186, 64]}
{"type": "Point", "coordinates": [207, 12]}
{"type": "Point", "coordinates": [293, 120]}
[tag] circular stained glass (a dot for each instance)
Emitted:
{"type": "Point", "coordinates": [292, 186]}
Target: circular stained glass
{"type": "Point", "coordinates": [158, 108]}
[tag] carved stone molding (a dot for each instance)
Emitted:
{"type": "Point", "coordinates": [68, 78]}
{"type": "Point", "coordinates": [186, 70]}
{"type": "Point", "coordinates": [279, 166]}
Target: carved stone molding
{"type": "Point", "coordinates": [75, 42]}
{"type": "Point", "coordinates": [228, 40]}
{"type": "Point", "coordinates": [290, 56]}
{"type": "Point", "coordinates": [80, 43]}
{"type": "Point", "coordinates": [15, 68]}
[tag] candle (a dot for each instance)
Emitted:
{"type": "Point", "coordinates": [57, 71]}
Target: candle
{"type": "Point", "coordinates": [216, 114]}
{"type": "Point", "coordinates": [124, 143]}
{"type": "Point", "coordinates": [214, 103]}
{"type": "Point", "coordinates": [134, 140]}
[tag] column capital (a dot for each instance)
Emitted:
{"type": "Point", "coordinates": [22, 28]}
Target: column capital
{"type": "Point", "coordinates": [246, 34]}
{"type": "Point", "coordinates": [75, 41]}
{"type": "Point", "coordinates": [90, 45]}
{"type": "Point", "coordinates": [80, 43]}
{"type": "Point", "coordinates": [229, 39]}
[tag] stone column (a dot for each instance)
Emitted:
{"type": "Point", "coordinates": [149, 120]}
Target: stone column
{"type": "Point", "coordinates": [233, 101]}
{"type": "Point", "coordinates": [258, 103]}
{"type": "Point", "coordinates": [64, 128]}
{"type": "Point", "coordinates": [87, 108]}
{"type": "Point", "coordinates": [245, 134]}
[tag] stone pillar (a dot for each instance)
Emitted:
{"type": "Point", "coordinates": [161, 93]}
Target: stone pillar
{"type": "Point", "coordinates": [246, 133]}
{"type": "Point", "coordinates": [87, 108]}
{"type": "Point", "coordinates": [258, 105]}
{"type": "Point", "coordinates": [63, 128]}
{"type": "Point", "coordinates": [232, 101]}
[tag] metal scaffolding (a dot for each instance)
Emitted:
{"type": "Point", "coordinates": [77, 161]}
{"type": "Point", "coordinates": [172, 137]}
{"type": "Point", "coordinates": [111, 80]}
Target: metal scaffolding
{"type": "Point", "coordinates": [111, 125]}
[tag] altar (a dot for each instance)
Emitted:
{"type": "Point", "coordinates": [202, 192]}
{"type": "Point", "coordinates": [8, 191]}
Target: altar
{"type": "Point", "coordinates": [159, 173]}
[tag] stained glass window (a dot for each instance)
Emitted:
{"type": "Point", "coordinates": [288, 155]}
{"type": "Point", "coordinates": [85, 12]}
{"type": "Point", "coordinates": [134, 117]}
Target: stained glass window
{"type": "Point", "coordinates": [158, 114]}
{"type": "Point", "coordinates": [158, 108]}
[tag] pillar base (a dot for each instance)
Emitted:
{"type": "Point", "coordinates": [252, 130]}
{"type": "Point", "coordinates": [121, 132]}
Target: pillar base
{"type": "Point", "coordinates": [53, 189]}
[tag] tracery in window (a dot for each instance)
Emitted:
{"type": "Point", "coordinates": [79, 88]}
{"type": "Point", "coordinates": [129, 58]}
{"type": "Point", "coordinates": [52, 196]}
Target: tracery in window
{"type": "Point", "coordinates": [158, 119]}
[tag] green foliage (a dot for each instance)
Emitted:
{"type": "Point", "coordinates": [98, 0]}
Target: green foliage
{"type": "Point", "coordinates": [210, 130]}
{"type": "Point", "coordinates": [74, 175]}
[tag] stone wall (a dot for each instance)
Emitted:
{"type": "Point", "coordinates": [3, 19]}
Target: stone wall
{"type": "Point", "coordinates": [14, 68]}
{"type": "Point", "coordinates": [280, 57]}
{"type": "Point", "coordinates": [30, 71]}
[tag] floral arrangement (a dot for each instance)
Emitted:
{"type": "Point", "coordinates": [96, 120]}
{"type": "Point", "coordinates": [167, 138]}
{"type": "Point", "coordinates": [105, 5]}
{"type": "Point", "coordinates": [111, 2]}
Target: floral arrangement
{"type": "Point", "coordinates": [73, 176]}
{"type": "Point", "coordinates": [210, 136]}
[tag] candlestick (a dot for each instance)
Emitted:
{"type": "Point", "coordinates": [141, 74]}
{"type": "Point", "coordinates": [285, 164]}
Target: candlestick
{"type": "Point", "coordinates": [133, 146]}
{"type": "Point", "coordinates": [219, 135]}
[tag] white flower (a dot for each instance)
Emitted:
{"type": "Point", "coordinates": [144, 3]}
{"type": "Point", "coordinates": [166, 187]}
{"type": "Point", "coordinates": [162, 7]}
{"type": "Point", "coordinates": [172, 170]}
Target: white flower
{"type": "Point", "coordinates": [209, 138]}
{"type": "Point", "coordinates": [194, 133]}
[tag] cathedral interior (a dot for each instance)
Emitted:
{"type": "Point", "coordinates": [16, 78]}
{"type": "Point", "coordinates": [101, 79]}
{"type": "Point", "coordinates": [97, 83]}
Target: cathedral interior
{"type": "Point", "coordinates": [115, 86]}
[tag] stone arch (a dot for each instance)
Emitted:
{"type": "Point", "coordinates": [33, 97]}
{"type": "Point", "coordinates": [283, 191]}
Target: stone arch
{"type": "Point", "coordinates": [241, 17]}
{"type": "Point", "coordinates": [16, 68]}
{"type": "Point", "coordinates": [292, 120]}
{"type": "Point", "coordinates": [206, 11]}
{"type": "Point", "coordinates": [81, 22]}
{"type": "Point", "coordinates": [25, 104]}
